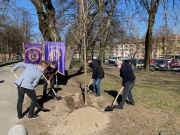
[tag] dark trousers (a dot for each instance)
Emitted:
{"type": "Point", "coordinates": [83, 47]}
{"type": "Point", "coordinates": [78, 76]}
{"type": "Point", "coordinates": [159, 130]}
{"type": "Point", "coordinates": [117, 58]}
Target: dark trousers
{"type": "Point", "coordinates": [127, 93]}
{"type": "Point", "coordinates": [45, 86]}
{"type": "Point", "coordinates": [32, 96]}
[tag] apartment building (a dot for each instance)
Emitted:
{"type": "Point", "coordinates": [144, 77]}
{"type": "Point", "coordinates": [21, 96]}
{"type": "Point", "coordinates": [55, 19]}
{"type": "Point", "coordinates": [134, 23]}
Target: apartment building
{"type": "Point", "coordinates": [162, 47]}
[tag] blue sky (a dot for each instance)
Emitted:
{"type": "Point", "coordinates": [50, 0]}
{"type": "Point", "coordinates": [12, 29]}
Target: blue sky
{"type": "Point", "coordinates": [141, 25]}
{"type": "Point", "coordinates": [31, 10]}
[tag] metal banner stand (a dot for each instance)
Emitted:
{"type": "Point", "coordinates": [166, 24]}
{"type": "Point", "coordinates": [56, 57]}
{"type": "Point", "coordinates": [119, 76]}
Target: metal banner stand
{"type": "Point", "coordinates": [56, 73]}
{"type": "Point", "coordinates": [57, 86]}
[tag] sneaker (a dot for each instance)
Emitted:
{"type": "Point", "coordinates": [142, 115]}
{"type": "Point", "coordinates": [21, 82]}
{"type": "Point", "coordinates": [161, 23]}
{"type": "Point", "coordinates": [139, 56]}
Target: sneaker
{"type": "Point", "coordinates": [33, 117]}
{"type": "Point", "coordinates": [21, 117]}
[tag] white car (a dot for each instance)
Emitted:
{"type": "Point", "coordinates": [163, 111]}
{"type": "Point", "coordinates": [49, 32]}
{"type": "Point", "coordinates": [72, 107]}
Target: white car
{"type": "Point", "coordinates": [106, 60]}
{"type": "Point", "coordinates": [113, 59]}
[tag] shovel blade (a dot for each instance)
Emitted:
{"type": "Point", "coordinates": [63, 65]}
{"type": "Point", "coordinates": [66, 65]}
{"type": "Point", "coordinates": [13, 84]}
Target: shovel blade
{"type": "Point", "coordinates": [108, 108]}
{"type": "Point", "coordinates": [58, 98]}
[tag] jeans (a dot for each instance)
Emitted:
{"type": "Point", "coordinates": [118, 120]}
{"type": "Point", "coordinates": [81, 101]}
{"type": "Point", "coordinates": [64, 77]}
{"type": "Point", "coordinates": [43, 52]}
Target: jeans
{"type": "Point", "coordinates": [127, 93]}
{"type": "Point", "coordinates": [45, 86]}
{"type": "Point", "coordinates": [32, 96]}
{"type": "Point", "coordinates": [96, 86]}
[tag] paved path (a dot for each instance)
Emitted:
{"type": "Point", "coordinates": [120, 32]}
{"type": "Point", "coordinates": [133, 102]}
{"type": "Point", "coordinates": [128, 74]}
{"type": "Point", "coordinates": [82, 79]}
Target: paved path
{"type": "Point", "coordinates": [8, 99]}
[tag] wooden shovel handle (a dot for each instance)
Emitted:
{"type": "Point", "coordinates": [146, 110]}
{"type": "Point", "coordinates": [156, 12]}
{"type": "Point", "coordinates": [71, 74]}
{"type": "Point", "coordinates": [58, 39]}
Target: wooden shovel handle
{"type": "Point", "coordinates": [117, 95]}
{"type": "Point", "coordinates": [50, 85]}
{"type": "Point", "coordinates": [90, 83]}
{"type": "Point", "coordinates": [15, 75]}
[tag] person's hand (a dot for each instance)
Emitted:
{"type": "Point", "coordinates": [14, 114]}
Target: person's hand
{"type": "Point", "coordinates": [48, 82]}
{"type": "Point", "coordinates": [12, 71]}
{"type": "Point", "coordinates": [123, 87]}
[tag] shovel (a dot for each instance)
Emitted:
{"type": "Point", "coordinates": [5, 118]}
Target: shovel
{"type": "Point", "coordinates": [38, 106]}
{"type": "Point", "coordinates": [110, 108]}
{"type": "Point", "coordinates": [89, 85]}
{"type": "Point", "coordinates": [58, 98]}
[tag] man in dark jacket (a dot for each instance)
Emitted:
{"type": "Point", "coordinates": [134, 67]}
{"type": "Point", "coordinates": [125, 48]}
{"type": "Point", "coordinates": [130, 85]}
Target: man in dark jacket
{"type": "Point", "coordinates": [97, 75]}
{"type": "Point", "coordinates": [49, 73]}
{"type": "Point", "coordinates": [128, 81]}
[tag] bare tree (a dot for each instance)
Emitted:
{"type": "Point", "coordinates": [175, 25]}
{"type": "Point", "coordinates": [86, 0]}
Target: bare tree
{"type": "Point", "coordinates": [104, 26]}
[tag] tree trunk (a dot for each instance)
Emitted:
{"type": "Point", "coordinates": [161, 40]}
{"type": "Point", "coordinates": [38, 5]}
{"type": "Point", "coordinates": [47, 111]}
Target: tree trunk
{"type": "Point", "coordinates": [149, 40]}
{"type": "Point", "coordinates": [46, 19]}
{"type": "Point", "coordinates": [104, 28]}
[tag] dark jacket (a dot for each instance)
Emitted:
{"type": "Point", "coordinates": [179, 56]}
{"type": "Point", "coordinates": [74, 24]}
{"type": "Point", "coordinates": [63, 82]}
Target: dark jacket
{"type": "Point", "coordinates": [49, 70]}
{"type": "Point", "coordinates": [126, 73]}
{"type": "Point", "coordinates": [98, 72]}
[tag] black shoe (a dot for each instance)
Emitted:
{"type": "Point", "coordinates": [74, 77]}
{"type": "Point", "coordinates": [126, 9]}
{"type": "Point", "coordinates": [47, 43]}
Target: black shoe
{"type": "Point", "coordinates": [130, 103]}
{"type": "Point", "coordinates": [33, 117]}
{"type": "Point", "coordinates": [21, 117]}
{"type": "Point", "coordinates": [97, 95]}
{"type": "Point", "coordinates": [118, 107]}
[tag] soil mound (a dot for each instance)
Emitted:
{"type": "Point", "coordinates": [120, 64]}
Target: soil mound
{"type": "Point", "coordinates": [83, 121]}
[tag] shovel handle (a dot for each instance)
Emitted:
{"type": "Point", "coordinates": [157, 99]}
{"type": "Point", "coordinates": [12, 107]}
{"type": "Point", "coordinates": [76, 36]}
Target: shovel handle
{"type": "Point", "coordinates": [15, 75]}
{"type": "Point", "coordinates": [117, 95]}
{"type": "Point", "coordinates": [90, 83]}
{"type": "Point", "coordinates": [50, 85]}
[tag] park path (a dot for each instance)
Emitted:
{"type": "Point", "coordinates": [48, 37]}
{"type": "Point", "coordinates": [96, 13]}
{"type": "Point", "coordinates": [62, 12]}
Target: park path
{"type": "Point", "coordinates": [8, 99]}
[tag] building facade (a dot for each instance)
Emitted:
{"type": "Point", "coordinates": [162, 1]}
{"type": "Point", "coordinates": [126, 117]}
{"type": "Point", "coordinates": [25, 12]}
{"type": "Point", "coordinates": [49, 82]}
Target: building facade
{"type": "Point", "coordinates": [162, 47]}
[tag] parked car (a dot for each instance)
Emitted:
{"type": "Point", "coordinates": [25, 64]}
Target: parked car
{"type": "Point", "coordinates": [132, 62]}
{"type": "Point", "coordinates": [175, 64]}
{"type": "Point", "coordinates": [106, 60]}
{"type": "Point", "coordinates": [152, 61]}
{"type": "Point", "coordinates": [140, 63]}
{"type": "Point", "coordinates": [168, 60]}
{"type": "Point", "coordinates": [113, 59]}
{"type": "Point", "coordinates": [159, 64]}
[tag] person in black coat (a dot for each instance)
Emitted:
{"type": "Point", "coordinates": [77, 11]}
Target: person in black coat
{"type": "Point", "coordinates": [97, 75]}
{"type": "Point", "coordinates": [128, 81]}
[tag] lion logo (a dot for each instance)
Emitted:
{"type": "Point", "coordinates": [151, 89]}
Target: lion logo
{"type": "Point", "coordinates": [33, 56]}
{"type": "Point", "coordinates": [54, 55]}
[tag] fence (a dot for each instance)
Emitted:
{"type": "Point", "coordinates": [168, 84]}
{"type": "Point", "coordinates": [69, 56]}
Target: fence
{"type": "Point", "coordinates": [8, 58]}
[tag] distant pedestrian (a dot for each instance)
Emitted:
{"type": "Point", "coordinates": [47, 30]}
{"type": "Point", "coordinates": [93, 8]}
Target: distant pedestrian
{"type": "Point", "coordinates": [26, 84]}
{"type": "Point", "coordinates": [128, 81]}
{"type": "Point", "coordinates": [49, 73]}
{"type": "Point", "coordinates": [97, 75]}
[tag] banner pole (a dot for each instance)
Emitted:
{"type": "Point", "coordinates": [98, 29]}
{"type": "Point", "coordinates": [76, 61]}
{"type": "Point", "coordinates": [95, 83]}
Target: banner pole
{"type": "Point", "coordinates": [57, 86]}
{"type": "Point", "coordinates": [22, 53]}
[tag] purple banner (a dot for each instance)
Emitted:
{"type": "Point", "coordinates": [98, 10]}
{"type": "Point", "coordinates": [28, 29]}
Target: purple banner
{"type": "Point", "coordinates": [33, 53]}
{"type": "Point", "coordinates": [55, 51]}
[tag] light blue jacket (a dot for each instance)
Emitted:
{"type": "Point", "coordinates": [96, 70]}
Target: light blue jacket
{"type": "Point", "coordinates": [30, 77]}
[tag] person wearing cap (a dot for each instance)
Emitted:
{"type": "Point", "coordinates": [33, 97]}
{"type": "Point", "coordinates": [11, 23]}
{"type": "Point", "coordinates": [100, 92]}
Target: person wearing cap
{"type": "Point", "coordinates": [49, 73]}
{"type": "Point", "coordinates": [128, 81]}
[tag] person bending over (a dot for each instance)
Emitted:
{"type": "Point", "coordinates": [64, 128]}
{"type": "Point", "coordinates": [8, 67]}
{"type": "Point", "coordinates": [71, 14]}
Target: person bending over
{"type": "Point", "coordinates": [49, 73]}
{"type": "Point", "coordinates": [26, 83]}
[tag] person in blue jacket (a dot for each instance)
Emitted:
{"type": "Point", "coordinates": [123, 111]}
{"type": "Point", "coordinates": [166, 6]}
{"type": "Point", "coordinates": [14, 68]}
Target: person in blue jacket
{"type": "Point", "coordinates": [128, 81]}
{"type": "Point", "coordinates": [25, 85]}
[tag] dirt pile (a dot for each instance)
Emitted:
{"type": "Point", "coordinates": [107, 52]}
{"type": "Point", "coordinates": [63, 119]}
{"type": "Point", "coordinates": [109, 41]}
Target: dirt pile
{"type": "Point", "coordinates": [83, 121]}
{"type": "Point", "coordinates": [68, 116]}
